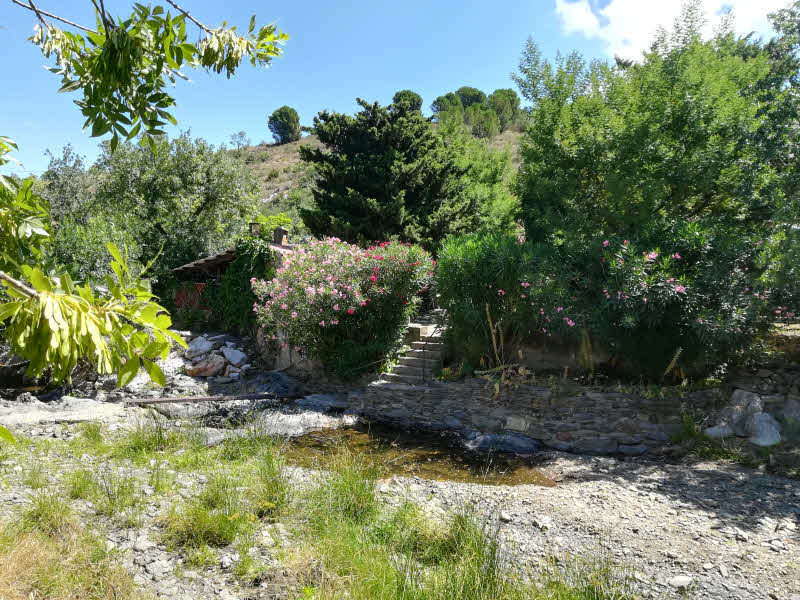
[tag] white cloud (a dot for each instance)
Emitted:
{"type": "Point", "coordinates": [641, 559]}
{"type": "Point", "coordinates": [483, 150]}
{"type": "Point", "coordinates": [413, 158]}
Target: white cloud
{"type": "Point", "coordinates": [627, 27]}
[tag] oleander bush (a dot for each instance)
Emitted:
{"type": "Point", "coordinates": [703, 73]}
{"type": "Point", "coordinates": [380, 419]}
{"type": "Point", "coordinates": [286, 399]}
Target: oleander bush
{"type": "Point", "coordinates": [344, 305]}
{"type": "Point", "coordinates": [690, 293]}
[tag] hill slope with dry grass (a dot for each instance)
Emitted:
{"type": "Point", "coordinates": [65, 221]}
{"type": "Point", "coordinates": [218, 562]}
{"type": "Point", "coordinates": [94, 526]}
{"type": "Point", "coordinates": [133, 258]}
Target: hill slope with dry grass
{"type": "Point", "coordinates": [279, 170]}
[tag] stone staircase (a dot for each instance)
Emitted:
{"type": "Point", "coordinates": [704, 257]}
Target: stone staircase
{"type": "Point", "coordinates": [423, 358]}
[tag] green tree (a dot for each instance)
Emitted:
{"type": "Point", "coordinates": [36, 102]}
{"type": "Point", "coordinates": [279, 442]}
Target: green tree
{"type": "Point", "coordinates": [470, 95]}
{"type": "Point", "coordinates": [413, 99]}
{"type": "Point", "coordinates": [240, 140]}
{"type": "Point", "coordinates": [505, 103]}
{"type": "Point", "coordinates": [187, 200]}
{"type": "Point", "coordinates": [385, 173]}
{"type": "Point", "coordinates": [284, 124]}
{"type": "Point", "coordinates": [66, 183]}
{"type": "Point", "coordinates": [448, 106]}
{"type": "Point", "coordinates": [482, 121]}
{"type": "Point", "coordinates": [122, 65]}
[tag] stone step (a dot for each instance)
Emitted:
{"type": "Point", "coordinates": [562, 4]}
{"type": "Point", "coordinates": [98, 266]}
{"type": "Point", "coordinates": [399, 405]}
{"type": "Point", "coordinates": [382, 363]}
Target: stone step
{"type": "Point", "coordinates": [405, 379]}
{"type": "Point", "coordinates": [418, 361]}
{"type": "Point", "coordinates": [434, 346]}
{"type": "Point", "coordinates": [418, 371]}
{"type": "Point", "coordinates": [415, 331]}
{"type": "Point", "coordinates": [435, 355]}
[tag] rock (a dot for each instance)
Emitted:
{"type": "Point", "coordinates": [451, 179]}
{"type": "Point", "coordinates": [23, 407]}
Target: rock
{"type": "Point", "coordinates": [719, 431]}
{"type": "Point", "coordinates": [742, 405]}
{"type": "Point", "coordinates": [543, 523]}
{"type": "Point", "coordinates": [199, 345]}
{"type": "Point", "coordinates": [234, 356]}
{"type": "Point", "coordinates": [598, 446]}
{"type": "Point", "coordinates": [67, 410]}
{"type": "Point", "coordinates": [505, 517]}
{"type": "Point", "coordinates": [680, 581]}
{"type": "Point", "coordinates": [723, 570]}
{"type": "Point", "coordinates": [143, 545]}
{"type": "Point", "coordinates": [708, 566]}
{"type": "Point", "coordinates": [276, 383]}
{"type": "Point", "coordinates": [184, 410]}
{"type": "Point", "coordinates": [763, 429]}
{"type": "Point", "coordinates": [324, 402]}
{"type": "Point", "coordinates": [502, 442]}
{"type": "Point", "coordinates": [632, 449]}
{"type": "Point", "coordinates": [212, 366]}
{"type": "Point", "coordinates": [27, 397]}
{"type": "Point", "coordinates": [791, 410]}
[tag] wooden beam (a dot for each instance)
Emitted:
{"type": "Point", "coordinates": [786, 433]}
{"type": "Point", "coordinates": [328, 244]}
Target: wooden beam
{"type": "Point", "coordinates": [193, 399]}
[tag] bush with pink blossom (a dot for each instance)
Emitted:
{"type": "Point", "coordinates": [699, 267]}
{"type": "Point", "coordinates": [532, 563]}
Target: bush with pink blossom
{"type": "Point", "coordinates": [640, 300]}
{"type": "Point", "coordinates": [344, 305]}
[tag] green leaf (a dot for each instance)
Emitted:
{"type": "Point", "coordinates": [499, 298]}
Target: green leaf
{"type": "Point", "coordinates": [128, 371]}
{"type": "Point", "coordinates": [9, 309]}
{"type": "Point", "coordinates": [39, 281]}
{"type": "Point", "coordinates": [155, 372]}
{"type": "Point", "coordinates": [6, 436]}
{"type": "Point", "coordinates": [252, 24]}
{"type": "Point", "coordinates": [114, 251]}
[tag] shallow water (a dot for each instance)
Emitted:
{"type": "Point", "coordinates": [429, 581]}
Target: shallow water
{"type": "Point", "coordinates": [425, 455]}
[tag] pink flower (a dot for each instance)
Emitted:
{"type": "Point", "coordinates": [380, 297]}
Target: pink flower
{"type": "Point", "coordinates": [501, 292]}
{"type": "Point", "coordinates": [350, 311]}
{"type": "Point", "coordinates": [523, 295]}
{"type": "Point", "coordinates": [651, 257]}
{"type": "Point", "coordinates": [680, 289]}
{"type": "Point", "coordinates": [559, 309]}
{"type": "Point", "coordinates": [294, 315]}
{"type": "Point", "coordinates": [335, 307]}
{"type": "Point", "coordinates": [363, 304]}
{"type": "Point", "coordinates": [571, 323]}
{"type": "Point", "coordinates": [626, 242]}
{"type": "Point", "coordinates": [322, 323]}
{"type": "Point", "coordinates": [284, 307]}
{"type": "Point", "coordinates": [676, 256]}
{"type": "Point", "coordinates": [373, 278]}
{"type": "Point", "coordinates": [645, 300]}
{"type": "Point", "coordinates": [525, 284]}
{"type": "Point", "coordinates": [605, 243]}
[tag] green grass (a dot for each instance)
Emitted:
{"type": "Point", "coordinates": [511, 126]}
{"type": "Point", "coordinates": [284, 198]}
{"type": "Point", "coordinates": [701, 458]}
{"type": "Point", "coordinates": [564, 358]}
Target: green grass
{"type": "Point", "coordinates": [118, 497]}
{"type": "Point", "coordinates": [47, 513]}
{"type": "Point", "coordinates": [36, 475]}
{"type": "Point", "coordinates": [269, 491]}
{"type": "Point", "coordinates": [81, 484]}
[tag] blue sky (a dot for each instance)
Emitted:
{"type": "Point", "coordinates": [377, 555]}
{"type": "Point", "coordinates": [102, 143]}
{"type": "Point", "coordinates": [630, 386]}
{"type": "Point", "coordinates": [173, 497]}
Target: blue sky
{"type": "Point", "coordinates": [337, 51]}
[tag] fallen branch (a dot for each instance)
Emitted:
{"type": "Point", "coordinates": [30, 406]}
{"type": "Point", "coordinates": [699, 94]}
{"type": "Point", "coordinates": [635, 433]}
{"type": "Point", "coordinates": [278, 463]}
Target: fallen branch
{"type": "Point", "coordinates": [193, 399]}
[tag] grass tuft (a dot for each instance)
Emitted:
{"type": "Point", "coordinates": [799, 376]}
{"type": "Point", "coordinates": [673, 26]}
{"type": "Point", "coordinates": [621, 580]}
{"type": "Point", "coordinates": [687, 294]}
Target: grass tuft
{"type": "Point", "coordinates": [47, 513]}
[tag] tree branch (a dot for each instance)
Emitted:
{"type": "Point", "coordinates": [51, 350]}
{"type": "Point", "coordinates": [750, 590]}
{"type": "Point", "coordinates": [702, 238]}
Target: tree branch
{"type": "Point", "coordinates": [18, 285]}
{"type": "Point", "coordinates": [51, 15]}
{"type": "Point", "coordinates": [190, 17]}
{"type": "Point", "coordinates": [102, 13]}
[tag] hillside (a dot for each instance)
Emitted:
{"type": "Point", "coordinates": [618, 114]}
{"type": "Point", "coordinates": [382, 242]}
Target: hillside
{"type": "Point", "coordinates": [278, 167]}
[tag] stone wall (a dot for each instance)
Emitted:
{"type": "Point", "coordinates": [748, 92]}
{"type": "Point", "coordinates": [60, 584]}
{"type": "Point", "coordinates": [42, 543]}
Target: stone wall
{"type": "Point", "coordinates": [520, 416]}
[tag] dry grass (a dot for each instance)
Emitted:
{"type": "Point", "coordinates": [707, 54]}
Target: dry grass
{"type": "Point", "coordinates": [71, 566]}
{"type": "Point", "coordinates": [277, 168]}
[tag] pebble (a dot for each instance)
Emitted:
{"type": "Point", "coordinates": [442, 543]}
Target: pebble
{"type": "Point", "coordinates": [680, 581]}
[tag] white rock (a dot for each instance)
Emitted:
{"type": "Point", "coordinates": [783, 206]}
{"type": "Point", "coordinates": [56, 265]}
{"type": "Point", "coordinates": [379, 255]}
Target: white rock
{"type": "Point", "coordinates": [743, 404]}
{"type": "Point", "coordinates": [791, 410]}
{"type": "Point", "coordinates": [198, 346]}
{"type": "Point", "coordinates": [763, 429]}
{"type": "Point", "coordinates": [234, 356]}
{"type": "Point", "coordinates": [680, 581]}
{"type": "Point", "coordinates": [505, 517]}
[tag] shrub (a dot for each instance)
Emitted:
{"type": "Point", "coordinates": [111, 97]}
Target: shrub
{"type": "Point", "coordinates": [344, 305]}
{"type": "Point", "coordinates": [284, 124]}
{"type": "Point", "coordinates": [231, 299]}
{"type": "Point", "coordinates": [696, 296]}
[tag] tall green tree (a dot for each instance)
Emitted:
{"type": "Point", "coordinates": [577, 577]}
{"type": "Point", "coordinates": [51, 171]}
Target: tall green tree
{"type": "Point", "coordinates": [482, 121]}
{"type": "Point", "coordinates": [470, 95]}
{"type": "Point", "coordinates": [412, 98]}
{"type": "Point", "coordinates": [505, 104]}
{"type": "Point", "coordinates": [386, 173]}
{"type": "Point", "coordinates": [448, 107]}
{"type": "Point", "coordinates": [284, 124]}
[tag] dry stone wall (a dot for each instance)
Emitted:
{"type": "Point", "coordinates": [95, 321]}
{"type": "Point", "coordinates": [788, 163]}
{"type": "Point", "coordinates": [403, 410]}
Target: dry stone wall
{"type": "Point", "coordinates": [589, 422]}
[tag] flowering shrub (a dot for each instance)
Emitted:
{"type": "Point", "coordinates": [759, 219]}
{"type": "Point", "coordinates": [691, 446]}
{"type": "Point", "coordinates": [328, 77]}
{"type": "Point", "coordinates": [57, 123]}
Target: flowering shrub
{"type": "Point", "coordinates": [341, 304]}
{"type": "Point", "coordinates": [699, 292]}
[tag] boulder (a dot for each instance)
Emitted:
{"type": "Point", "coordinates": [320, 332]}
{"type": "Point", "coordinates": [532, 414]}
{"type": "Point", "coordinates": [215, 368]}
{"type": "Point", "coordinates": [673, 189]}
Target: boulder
{"type": "Point", "coordinates": [234, 356]}
{"type": "Point", "coordinates": [198, 346]}
{"type": "Point", "coordinates": [502, 442]}
{"type": "Point", "coordinates": [791, 410]}
{"type": "Point", "coordinates": [324, 402]}
{"type": "Point", "coordinates": [763, 429]}
{"type": "Point", "coordinates": [210, 367]}
{"type": "Point", "coordinates": [743, 404]}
